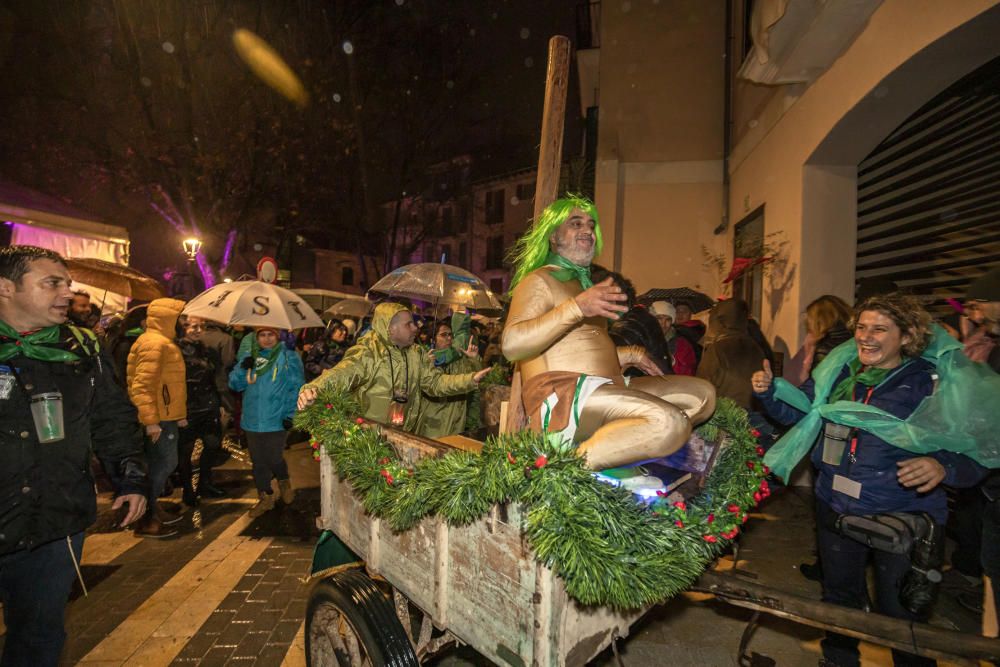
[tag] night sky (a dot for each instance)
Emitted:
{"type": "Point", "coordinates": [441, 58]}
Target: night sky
{"type": "Point", "coordinates": [120, 107]}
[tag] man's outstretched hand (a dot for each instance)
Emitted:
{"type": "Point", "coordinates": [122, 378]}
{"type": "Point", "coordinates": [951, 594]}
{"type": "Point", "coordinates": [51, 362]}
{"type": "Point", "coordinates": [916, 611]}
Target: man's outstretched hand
{"type": "Point", "coordinates": [307, 397]}
{"type": "Point", "coordinates": [481, 374]}
{"type": "Point", "coordinates": [604, 299]}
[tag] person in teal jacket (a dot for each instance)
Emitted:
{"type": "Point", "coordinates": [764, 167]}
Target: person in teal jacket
{"type": "Point", "coordinates": [269, 375]}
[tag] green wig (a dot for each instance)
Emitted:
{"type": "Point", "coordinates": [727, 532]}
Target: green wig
{"type": "Point", "coordinates": [531, 249]}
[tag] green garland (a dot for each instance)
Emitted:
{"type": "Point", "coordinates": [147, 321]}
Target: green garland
{"type": "Point", "coordinates": [608, 549]}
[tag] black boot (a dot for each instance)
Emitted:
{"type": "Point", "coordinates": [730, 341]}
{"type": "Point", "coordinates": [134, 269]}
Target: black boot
{"type": "Point", "coordinates": [189, 497]}
{"type": "Point", "coordinates": [206, 488]}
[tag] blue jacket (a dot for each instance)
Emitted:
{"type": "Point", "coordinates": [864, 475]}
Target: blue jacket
{"type": "Point", "coordinates": [875, 466]}
{"type": "Point", "coordinates": [272, 398]}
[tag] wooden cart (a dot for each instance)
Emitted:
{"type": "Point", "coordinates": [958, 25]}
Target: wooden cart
{"type": "Point", "coordinates": [477, 584]}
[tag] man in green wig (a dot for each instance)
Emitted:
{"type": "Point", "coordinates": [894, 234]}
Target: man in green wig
{"type": "Point", "coordinates": [557, 332]}
{"type": "Point", "coordinates": [389, 374]}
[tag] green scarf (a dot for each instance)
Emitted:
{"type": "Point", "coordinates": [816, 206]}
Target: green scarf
{"type": "Point", "coordinates": [868, 376]}
{"type": "Point", "coordinates": [568, 270]}
{"type": "Point", "coordinates": [962, 415]}
{"type": "Point", "coordinates": [270, 356]}
{"type": "Point", "coordinates": [40, 345]}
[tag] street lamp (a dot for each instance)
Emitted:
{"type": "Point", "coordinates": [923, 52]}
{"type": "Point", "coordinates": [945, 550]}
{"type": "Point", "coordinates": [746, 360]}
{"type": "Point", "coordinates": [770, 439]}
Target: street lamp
{"type": "Point", "coordinates": [191, 248]}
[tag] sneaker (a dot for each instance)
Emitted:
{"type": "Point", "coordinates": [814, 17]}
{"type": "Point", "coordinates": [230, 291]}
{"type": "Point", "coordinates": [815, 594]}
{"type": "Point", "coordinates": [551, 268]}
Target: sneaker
{"type": "Point", "coordinates": [287, 492]}
{"type": "Point", "coordinates": [151, 527]}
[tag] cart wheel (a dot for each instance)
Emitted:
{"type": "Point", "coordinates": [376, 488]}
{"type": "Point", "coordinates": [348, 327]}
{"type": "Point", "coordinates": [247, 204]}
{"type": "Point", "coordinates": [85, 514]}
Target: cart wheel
{"type": "Point", "coordinates": [350, 623]}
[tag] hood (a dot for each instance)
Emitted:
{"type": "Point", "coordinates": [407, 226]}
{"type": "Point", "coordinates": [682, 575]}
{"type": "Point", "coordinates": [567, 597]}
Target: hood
{"type": "Point", "coordinates": [161, 316]}
{"type": "Point", "coordinates": [728, 318]}
{"type": "Point", "coordinates": [384, 312]}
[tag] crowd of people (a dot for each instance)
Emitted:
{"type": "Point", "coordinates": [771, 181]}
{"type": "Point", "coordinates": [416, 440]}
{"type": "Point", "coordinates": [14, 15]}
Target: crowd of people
{"type": "Point", "coordinates": [149, 384]}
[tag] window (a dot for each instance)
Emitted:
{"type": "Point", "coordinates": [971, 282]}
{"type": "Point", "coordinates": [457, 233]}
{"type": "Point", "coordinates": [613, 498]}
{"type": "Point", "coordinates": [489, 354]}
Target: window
{"type": "Point", "coordinates": [496, 285]}
{"type": "Point", "coordinates": [347, 276]}
{"type": "Point", "coordinates": [447, 221]}
{"type": "Point", "coordinates": [494, 252]}
{"type": "Point", "coordinates": [525, 191]}
{"type": "Point", "coordinates": [462, 219]}
{"type": "Point", "coordinates": [494, 206]}
{"type": "Point", "coordinates": [463, 253]}
{"type": "Point", "coordinates": [748, 242]}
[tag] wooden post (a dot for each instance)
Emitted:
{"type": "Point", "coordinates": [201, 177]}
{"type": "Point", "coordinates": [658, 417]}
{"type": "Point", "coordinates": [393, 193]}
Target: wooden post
{"type": "Point", "coordinates": [553, 122]}
{"type": "Point", "coordinates": [547, 182]}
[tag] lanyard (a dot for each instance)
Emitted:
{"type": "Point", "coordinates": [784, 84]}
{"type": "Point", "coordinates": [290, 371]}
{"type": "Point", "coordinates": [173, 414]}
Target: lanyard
{"type": "Point", "coordinates": [854, 441]}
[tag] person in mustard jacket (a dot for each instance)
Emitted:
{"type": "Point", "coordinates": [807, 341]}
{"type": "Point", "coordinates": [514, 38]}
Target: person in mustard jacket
{"type": "Point", "coordinates": [157, 387]}
{"type": "Point", "coordinates": [389, 374]}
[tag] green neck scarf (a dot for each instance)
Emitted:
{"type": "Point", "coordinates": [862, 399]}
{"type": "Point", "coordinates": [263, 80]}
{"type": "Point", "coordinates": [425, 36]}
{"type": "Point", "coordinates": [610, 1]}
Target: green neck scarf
{"type": "Point", "coordinates": [868, 376]}
{"type": "Point", "coordinates": [271, 356]}
{"type": "Point", "coordinates": [40, 345]}
{"type": "Point", "coordinates": [568, 270]}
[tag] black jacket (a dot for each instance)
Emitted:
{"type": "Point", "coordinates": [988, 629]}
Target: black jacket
{"type": "Point", "coordinates": [201, 371]}
{"type": "Point", "coordinates": [47, 491]}
{"type": "Point", "coordinates": [837, 334]}
{"type": "Point", "coordinates": [639, 327]}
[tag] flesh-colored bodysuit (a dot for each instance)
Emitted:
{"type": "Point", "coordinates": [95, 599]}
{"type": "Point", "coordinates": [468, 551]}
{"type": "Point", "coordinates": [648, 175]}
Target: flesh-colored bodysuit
{"type": "Point", "coordinates": [651, 417]}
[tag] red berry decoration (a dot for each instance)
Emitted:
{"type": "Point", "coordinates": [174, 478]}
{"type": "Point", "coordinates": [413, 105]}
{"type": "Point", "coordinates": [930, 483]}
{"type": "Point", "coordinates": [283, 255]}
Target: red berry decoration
{"type": "Point", "coordinates": [734, 508]}
{"type": "Point", "coordinates": [357, 421]}
{"type": "Point", "coordinates": [760, 451]}
{"type": "Point", "coordinates": [767, 471]}
{"type": "Point", "coordinates": [387, 475]}
{"type": "Point", "coordinates": [680, 505]}
{"type": "Point", "coordinates": [541, 461]}
{"type": "Point", "coordinates": [757, 497]}
{"type": "Point", "coordinates": [329, 406]}
{"type": "Point", "coordinates": [750, 465]}
{"type": "Point", "coordinates": [755, 433]}
{"type": "Point", "coordinates": [510, 459]}
{"type": "Point", "coordinates": [710, 518]}
{"type": "Point", "coordinates": [744, 519]}
{"type": "Point", "coordinates": [384, 460]}
{"type": "Point", "coordinates": [711, 539]}
{"type": "Point", "coordinates": [679, 523]}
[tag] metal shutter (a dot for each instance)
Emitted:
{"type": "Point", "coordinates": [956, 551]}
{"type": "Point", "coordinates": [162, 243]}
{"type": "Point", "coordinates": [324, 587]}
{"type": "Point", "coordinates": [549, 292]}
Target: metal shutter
{"type": "Point", "coordinates": [929, 195]}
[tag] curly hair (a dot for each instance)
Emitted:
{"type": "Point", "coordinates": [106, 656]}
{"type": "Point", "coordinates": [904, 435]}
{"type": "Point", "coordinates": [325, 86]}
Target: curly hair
{"type": "Point", "coordinates": [908, 315]}
{"type": "Point", "coordinates": [531, 249]}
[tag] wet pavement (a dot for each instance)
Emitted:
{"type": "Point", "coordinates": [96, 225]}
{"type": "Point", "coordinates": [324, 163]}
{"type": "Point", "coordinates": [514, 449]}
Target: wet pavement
{"type": "Point", "coordinates": [228, 590]}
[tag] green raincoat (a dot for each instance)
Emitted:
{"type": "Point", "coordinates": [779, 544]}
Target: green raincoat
{"type": "Point", "coordinates": [374, 367]}
{"type": "Point", "coordinates": [447, 415]}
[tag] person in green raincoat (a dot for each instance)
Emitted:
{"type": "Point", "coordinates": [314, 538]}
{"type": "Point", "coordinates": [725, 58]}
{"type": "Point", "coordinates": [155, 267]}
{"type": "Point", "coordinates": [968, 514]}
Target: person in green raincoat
{"type": "Point", "coordinates": [388, 374]}
{"type": "Point", "coordinates": [455, 353]}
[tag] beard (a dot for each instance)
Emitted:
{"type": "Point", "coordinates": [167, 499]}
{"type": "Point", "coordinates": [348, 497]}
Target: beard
{"type": "Point", "coordinates": [574, 253]}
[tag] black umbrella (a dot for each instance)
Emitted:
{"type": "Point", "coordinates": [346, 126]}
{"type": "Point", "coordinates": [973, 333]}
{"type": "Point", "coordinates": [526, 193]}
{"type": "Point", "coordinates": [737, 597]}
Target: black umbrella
{"type": "Point", "coordinates": [697, 301]}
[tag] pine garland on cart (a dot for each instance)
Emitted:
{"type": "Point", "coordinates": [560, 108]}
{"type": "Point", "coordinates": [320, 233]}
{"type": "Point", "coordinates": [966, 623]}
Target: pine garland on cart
{"type": "Point", "coordinates": [607, 548]}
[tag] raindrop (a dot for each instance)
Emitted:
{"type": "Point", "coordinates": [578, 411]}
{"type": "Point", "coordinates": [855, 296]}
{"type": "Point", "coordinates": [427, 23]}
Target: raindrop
{"type": "Point", "coordinates": [399, 3]}
{"type": "Point", "coordinates": [336, 98]}
{"type": "Point", "coordinates": [529, 61]}
{"type": "Point", "coordinates": [450, 85]}
{"type": "Point", "coordinates": [525, 33]}
{"type": "Point", "coordinates": [257, 247]}
{"type": "Point", "coordinates": [348, 47]}
{"type": "Point", "coordinates": [168, 47]}
{"type": "Point", "coordinates": [514, 201]}
{"type": "Point", "coordinates": [146, 81]}
{"type": "Point", "coordinates": [626, 7]}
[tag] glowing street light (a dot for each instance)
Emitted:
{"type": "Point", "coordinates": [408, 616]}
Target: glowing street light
{"type": "Point", "coordinates": [191, 248]}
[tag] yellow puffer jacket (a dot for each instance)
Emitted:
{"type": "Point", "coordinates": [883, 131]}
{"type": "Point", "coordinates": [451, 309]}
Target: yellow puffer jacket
{"type": "Point", "coordinates": [156, 380]}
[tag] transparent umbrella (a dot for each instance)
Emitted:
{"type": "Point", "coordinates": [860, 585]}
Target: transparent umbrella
{"type": "Point", "coordinates": [438, 284]}
{"type": "Point", "coordinates": [356, 309]}
{"type": "Point", "coordinates": [254, 303]}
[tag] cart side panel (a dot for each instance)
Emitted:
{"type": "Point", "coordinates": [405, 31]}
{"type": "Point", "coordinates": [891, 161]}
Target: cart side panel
{"type": "Point", "coordinates": [343, 512]}
{"type": "Point", "coordinates": [492, 586]}
{"type": "Point", "coordinates": [578, 632]}
{"type": "Point", "coordinates": [407, 560]}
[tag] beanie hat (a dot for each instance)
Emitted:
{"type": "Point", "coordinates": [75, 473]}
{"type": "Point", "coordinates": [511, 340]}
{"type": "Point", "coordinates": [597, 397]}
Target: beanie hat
{"type": "Point", "coordinates": [663, 309]}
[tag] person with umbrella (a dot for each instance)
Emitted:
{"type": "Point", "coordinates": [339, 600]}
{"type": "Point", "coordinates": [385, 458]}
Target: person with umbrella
{"type": "Point", "coordinates": [269, 375]}
{"type": "Point", "coordinates": [390, 375]}
{"type": "Point", "coordinates": [557, 332]}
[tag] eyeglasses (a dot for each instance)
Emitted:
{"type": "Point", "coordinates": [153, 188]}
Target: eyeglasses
{"type": "Point", "coordinates": [446, 334]}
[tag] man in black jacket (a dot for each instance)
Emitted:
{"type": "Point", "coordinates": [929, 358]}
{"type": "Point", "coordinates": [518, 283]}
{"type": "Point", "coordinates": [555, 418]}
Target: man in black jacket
{"type": "Point", "coordinates": [47, 496]}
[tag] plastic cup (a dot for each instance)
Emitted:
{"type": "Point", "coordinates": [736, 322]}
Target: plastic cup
{"type": "Point", "coordinates": [47, 413]}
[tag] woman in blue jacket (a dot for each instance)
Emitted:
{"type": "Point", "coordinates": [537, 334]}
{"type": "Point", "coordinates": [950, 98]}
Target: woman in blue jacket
{"type": "Point", "coordinates": [861, 474]}
{"type": "Point", "coordinates": [270, 376]}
